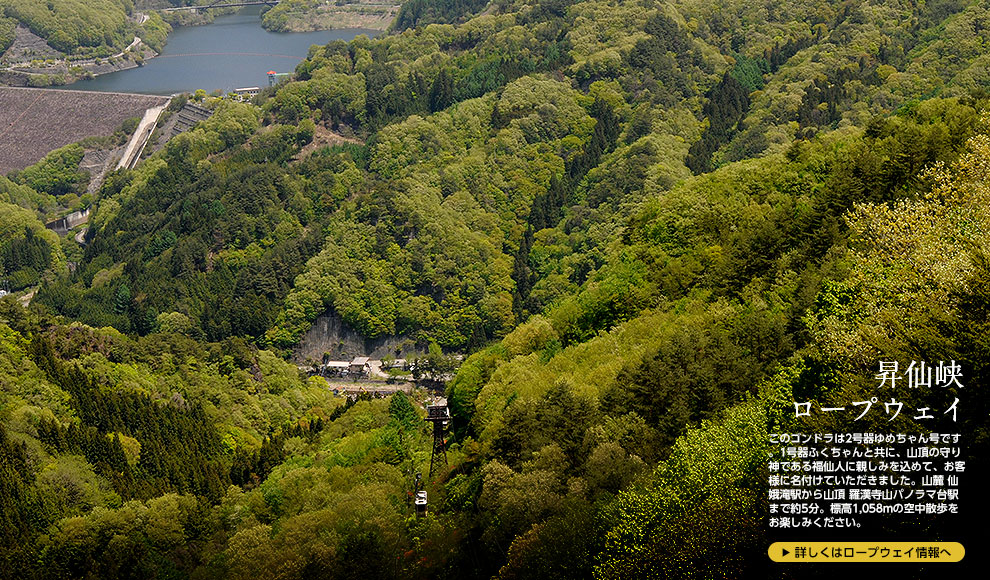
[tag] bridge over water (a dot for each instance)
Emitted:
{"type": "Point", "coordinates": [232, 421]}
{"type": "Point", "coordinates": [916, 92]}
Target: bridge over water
{"type": "Point", "coordinates": [223, 4]}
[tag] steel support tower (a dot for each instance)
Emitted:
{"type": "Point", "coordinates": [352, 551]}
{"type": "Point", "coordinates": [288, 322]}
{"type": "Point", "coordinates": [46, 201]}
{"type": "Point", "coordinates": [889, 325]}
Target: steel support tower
{"type": "Point", "coordinates": [439, 415]}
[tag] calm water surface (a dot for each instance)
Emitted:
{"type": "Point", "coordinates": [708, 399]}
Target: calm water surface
{"type": "Point", "coordinates": [232, 52]}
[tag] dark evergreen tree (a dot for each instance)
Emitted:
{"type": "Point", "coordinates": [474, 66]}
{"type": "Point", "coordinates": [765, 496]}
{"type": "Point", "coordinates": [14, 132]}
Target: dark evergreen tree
{"type": "Point", "coordinates": [442, 91]}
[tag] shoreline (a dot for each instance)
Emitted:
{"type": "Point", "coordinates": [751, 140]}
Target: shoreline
{"type": "Point", "coordinates": [63, 73]}
{"type": "Point", "coordinates": [377, 16]}
{"type": "Point", "coordinates": [31, 62]}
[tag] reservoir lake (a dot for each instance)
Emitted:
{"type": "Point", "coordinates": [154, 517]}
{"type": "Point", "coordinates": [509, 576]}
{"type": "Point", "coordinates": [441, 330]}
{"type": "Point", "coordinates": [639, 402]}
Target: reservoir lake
{"type": "Point", "coordinates": [232, 52]}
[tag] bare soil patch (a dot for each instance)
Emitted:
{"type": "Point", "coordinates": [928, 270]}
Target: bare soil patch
{"type": "Point", "coordinates": [323, 137]}
{"type": "Point", "coordinates": [371, 14]}
{"type": "Point", "coordinates": [27, 47]}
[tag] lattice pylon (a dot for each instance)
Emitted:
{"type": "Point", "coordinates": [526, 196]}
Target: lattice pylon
{"type": "Point", "coordinates": [439, 448]}
{"type": "Point", "coordinates": [439, 415]}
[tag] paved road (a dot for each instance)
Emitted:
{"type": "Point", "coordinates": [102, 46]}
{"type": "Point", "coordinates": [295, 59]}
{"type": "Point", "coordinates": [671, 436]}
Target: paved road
{"type": "Point", "coordinates": [140, 137]}
{"type": "Point", "coordinates": [90, 61]}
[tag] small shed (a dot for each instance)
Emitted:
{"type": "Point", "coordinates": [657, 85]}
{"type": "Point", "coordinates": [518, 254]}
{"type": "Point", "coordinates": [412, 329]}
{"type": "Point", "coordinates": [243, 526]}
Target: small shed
{"type": "Point", "coordinates": [360, 365]}
{"type": "Point", "coordinates": [399, 363]}
{"type": "Point", "coordinates": [335, 368]}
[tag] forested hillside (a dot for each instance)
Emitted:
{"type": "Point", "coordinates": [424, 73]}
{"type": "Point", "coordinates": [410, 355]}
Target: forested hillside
{"type": "Point", "coordinates": [650, 227]}
{"type": "Point", "coordinates": [28, 251]}
{"type": "Point", "coordinates": [79, 28]}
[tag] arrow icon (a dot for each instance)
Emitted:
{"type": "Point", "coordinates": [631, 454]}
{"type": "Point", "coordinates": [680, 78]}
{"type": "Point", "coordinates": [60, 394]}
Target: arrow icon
{"type": "Point", "coordinates": [785, 551]}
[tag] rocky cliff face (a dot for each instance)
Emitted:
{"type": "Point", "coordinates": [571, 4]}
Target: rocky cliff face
{"type": "Point", "coordinates": [331, 335]}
